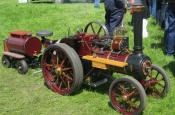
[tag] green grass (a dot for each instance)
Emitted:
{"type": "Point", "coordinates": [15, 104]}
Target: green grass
{"type": "Point", "coordinates": [26, 94]}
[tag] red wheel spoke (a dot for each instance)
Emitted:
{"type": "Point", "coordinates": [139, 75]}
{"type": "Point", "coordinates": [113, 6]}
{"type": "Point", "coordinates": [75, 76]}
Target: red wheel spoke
{"type": "Point", "coordinates": [52, 78]}
{"type": "Point", "coordinates": [63, 81]}
{"type": "Point", "coordinates": [116, 94]}
{"type": "Point", "coordinates": [48, 65]}
{"type": "Point", "coordinates": [66, 69]}
{"type": "Point", "coordinates": [60, 85]}
{"type": "Point", "coordinates": [53, 59]}
{"type": "Point", "coordinates": [68, 84]}
{"type": "Point", "coordinates": [132, 93]}
{"type": "Point", "coordinates": [61, 65]}
{"type": "Point", "coordinates": [57, 60]}
{"type": "Point", "coordinates": [57, 79]}
{"type": "Point", "coordinates": [122, 89]}
{"type": "Point", "coordinates": [68, 77]}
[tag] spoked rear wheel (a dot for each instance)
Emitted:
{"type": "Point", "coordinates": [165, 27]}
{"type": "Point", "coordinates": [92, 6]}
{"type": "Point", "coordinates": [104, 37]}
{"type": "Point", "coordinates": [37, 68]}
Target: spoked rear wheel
{"type": "Point", "coordinates": [62, 69]}
{"type": "Point", "coordinates": [127, 96]}
{"type": "Point", "coordinates": [157, 83]}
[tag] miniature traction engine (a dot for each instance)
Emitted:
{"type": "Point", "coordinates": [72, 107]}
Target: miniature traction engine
{"type": "Point", "coordinates": [91, 57]}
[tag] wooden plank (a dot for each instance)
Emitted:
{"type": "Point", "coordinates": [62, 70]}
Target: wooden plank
{"type": "Point", "coordinates": [14, 55]}
{"type": "Point", "coordinates": [105, 61]}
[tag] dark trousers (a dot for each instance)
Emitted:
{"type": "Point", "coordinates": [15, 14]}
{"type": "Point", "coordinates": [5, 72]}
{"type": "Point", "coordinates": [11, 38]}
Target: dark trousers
{"type": "Point", "coordinates": [170, 29]}
{"type": "Point", "coordinates": [114, 14]}
{"type": "Point", "coordinates": [113, 20]}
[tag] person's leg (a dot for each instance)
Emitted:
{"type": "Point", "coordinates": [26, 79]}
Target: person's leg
{"type": "Point", "coordinates": [170, 32]}
{"type": "Point", "coordinates": [109, 8]}
{"type": "Point", "coordinates": [116, 20]}
{"type": "Point", "coordinates": [107, 21]}
{"type": "Point", "coordinates": [154, 8]}
{"type": "Point", "coordinates": [97, 3]}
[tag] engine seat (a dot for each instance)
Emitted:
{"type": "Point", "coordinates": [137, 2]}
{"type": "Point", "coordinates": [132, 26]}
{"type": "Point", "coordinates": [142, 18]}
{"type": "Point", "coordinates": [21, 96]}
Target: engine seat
{"type": "Point", "coordinates": [44, 33]}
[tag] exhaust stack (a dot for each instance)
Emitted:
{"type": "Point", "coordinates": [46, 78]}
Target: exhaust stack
{"type": "Point", "coordinates": [137, 11]}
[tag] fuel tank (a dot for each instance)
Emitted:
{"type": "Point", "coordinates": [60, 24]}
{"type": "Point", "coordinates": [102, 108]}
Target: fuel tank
{"type": "Point", "coordinates": [24, 43]}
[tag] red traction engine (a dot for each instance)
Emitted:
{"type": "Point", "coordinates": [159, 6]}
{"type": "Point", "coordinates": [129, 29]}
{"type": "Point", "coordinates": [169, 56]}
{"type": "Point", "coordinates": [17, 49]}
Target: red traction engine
{"type": "Point", "coordinates": [22, 49]}
{"type": "Point", "coordinates": [91, 57]}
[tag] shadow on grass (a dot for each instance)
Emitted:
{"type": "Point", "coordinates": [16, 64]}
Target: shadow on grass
{"type": "Point", "coordinates": [160, 42]}
{"type": "Point", "coordinates": [103, 89]}
{"type": "Point", "coordinates": [157, 45]}
{"type": "Point", "coordinates": [171, 67]}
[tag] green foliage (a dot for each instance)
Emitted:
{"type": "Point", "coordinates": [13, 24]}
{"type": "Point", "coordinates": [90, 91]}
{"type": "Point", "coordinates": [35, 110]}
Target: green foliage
{"type": "Point", "coordinates": [26, 94]}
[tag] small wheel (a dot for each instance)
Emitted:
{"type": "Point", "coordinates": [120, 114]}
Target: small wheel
{"type": "Point", "coordinates": [62, 69]}
{"type": "Point", "coordinates": [127, 96]}
{"type": "Point", "coordinates": [96, 28]}
{"type": "Point", "coordinates": [6, 61]}
{"type": "Point", "coordinates": [22, 67]}
{"type": "Point", "coordinates": [158, 83]}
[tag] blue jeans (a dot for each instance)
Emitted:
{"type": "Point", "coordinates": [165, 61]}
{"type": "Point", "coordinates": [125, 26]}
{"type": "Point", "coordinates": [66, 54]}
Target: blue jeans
{"type": "Point", "coordinates": [154, 8]}
{"type": "Point", "coordinates": [97, 3]}
{"type": "Point", "coordinates": [170, 29]}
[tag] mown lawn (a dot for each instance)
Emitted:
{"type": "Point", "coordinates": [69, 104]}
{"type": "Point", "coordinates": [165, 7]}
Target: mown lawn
{"type": "Point", "coordinates": [26, 94]}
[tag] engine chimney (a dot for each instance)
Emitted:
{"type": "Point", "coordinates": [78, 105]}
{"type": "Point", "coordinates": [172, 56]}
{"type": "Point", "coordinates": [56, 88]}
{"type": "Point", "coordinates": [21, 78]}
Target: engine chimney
{"type": "Point", "coordinates": [137, 12]}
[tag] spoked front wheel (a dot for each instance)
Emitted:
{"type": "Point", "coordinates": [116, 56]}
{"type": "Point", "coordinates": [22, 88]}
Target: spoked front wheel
{"type": "Point", "coordinates": [62, 69]}
{"type": "Point", "coordinates": [127, 96]}
{"type": "Point", "coordinates": [157, 82]}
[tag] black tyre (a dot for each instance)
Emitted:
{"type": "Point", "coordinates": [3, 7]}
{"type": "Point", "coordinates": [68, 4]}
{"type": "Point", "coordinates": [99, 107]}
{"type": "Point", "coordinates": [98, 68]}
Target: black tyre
{"type": "Point", "coordinates": [6, 61]}
{"type": "Point", "coordinates": [22, 67]}
{"type": "Point", "coordinates": [62, 69]}
{"type": "Point", "coordinates": [127, 96]}
{"type": "Point", "coordinates": [158, 82]}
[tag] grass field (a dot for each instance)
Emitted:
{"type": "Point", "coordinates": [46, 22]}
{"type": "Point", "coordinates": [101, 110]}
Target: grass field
{"type": "Point", "coordinates": [27, 95]}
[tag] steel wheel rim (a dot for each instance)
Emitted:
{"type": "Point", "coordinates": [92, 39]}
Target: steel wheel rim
{"type": "Point", "coordinates": [58, 71]}
{"type": "Point", "coordinates": [123, 95]}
